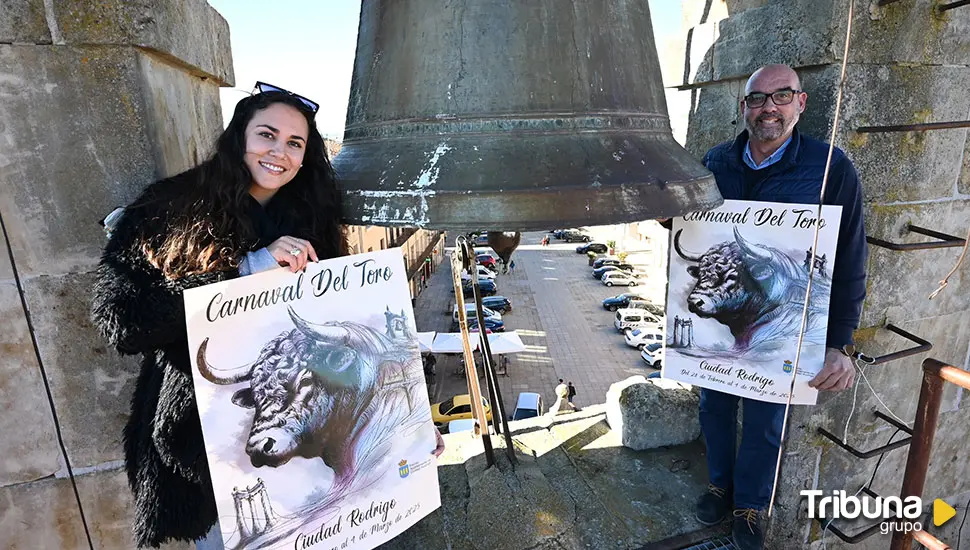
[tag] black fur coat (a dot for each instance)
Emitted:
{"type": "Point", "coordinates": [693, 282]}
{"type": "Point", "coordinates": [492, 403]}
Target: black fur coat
{"type": "Point", "coordinates": [140, 312]}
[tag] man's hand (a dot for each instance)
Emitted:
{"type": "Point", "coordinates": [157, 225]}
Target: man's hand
{"type": "Point", "coordinates": [838, 373]}
{"type": "Point", "coordinates": [439, 443]}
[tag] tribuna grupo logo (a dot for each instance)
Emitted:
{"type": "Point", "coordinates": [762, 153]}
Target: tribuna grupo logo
{"type": "Point", "coordinates": [897, 514]}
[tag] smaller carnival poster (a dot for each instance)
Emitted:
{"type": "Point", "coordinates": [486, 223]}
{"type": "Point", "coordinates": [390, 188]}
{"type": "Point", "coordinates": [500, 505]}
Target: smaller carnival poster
{"type": "Point", "coordinates": [313, 404]}
{"type": "Point", "coordinates": [735, 298]}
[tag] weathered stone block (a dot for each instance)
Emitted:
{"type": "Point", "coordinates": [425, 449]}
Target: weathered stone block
{"type": "Point", "coordinates": [923, 165]}
{"type": "Point", "coordinates": [796, 32]}
{"type": "Point", "coordinates": [652, 413]}
{"type": "Point", "coordinates": [909, 32]}
{"type": "Point", "coordinates": [6, 270]}
{"type": "Point", "coordinates": [189, 31]}
{"type": "Point", "coordinates": [71, 149]}
{"type": "Point", "coordinates": [184, 117]}
{"type": "Point", "coordinates": [108, 507]}
{"type": "Point", "coordinates": [23, 21]}
{"type": "Point", "coordinates": [43, 514]}
{"type": "Point", "coordinates": [91, 383]}
{"type": "Point", "coordinates": [963, 186]}
{"type": "Point", "coordinates": [27, 454]}
{"type": "Point", "coordinates": [713, 109]}
{"type": "Point", "coordinates": [899, 283]}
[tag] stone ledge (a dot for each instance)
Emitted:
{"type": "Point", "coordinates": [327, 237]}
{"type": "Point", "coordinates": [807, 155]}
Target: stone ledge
{"type": "Point", "coordinates": [23, 21]}
{"type": "Point", "coordinates": [188, 31]}
{"type": "Point", "coordinates": [652, 413]}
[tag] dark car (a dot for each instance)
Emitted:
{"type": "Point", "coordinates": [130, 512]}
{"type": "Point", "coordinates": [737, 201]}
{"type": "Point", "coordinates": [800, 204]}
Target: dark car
{"type": "Point", "coordinates": [561, 233]}
{"type": "Point", "coordinates": [576, 237]}
{"type": "Point", "coordinates": [605, 261]}
{"type": "Point", "coordinates": [500, 304]}
{"type": "Point", "coordinates": [490, 324]}
{"type": "Point", "coordinates": [599, 271]}
{"type": "Point", "coordinates": [620, 301]}
{"type": "Point", "coordinates": [487, 286]}
{"type": "Point", "coordinates": [598, 248]}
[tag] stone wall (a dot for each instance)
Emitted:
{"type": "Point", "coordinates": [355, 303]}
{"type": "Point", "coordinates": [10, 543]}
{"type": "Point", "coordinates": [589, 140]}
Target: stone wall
{"type": "Point", "coordinates": [96, 101]}
{"type": "Point", "coordinates": [907, 64]}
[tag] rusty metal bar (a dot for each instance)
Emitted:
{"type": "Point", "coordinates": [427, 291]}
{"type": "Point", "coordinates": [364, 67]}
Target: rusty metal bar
{"type": "Point", "coordinates": [951, 5]}
{"type": "Point", "coordinates": [922, 345]}
{"type": "Point", "coordinates": [871, 452]}
{"type": "Point", "coordinates": [929, 541]}
{"type": "Point", "coordinates": [858, 537]}
{"type": "Point", "coordinates": [924, 430]}
{"type": "Point", "coordinates": [921, 127]}
{"type": "Point", "coordinates": [945, 241]}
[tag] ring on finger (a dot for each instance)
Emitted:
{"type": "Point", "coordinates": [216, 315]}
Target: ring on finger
{"type": "Point", "coordinates": [295, 252]}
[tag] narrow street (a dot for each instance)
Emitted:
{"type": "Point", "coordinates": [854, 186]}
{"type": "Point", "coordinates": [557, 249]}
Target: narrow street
{"type": "Point", "coordinates": [558, 313]}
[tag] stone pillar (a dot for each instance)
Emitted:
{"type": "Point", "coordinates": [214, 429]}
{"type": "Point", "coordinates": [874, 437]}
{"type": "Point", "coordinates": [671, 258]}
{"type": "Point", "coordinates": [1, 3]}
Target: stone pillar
{"type": "Point", "coordinates": [97, 100]}
{"type": "Point", "coordinates": [907, 64]}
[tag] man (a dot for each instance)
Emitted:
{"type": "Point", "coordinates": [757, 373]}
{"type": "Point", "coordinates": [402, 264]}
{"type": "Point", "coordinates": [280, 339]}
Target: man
{"type": "Point", "coordinates": [772, 161]}
{"type": "Point", "coordinates": [570, 395]}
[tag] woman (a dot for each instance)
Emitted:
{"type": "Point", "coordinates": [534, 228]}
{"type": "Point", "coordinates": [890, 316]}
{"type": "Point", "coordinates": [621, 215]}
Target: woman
{"type": "Point", "coordinates": [267, 197]}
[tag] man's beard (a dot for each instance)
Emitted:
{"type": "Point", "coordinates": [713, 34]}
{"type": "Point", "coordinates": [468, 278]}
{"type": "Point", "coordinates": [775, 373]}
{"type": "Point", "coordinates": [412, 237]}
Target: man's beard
{"type": "Point", "coordinates": [768, 133]}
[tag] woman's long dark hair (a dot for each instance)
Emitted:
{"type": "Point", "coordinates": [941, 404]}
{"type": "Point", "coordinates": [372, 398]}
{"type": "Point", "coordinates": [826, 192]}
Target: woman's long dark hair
{"type": "Point", "coordinates": [208, 224]}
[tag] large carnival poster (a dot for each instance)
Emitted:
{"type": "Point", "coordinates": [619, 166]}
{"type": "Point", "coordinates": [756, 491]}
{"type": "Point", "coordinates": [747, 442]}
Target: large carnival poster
{"type": "Point", "coordinates": [735, 298]}
{"type": "Point", "coordinates": [313, 404]}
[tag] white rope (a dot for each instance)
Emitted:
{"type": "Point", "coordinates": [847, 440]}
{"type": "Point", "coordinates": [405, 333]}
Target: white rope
{"type": "Point", "coordinates": [811, 273]}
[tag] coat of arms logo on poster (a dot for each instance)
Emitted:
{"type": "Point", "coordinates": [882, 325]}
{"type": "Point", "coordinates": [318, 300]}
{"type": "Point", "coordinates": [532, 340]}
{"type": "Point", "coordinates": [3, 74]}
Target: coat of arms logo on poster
{"type": "Point", "coordinates": [738, 276]}
{"type": "Point", "coordinates": [313, 404]}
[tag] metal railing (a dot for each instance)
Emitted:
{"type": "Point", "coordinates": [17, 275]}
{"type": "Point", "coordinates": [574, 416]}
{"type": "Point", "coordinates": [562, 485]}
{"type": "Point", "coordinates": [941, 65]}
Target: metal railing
{"type": "Point", "coordinates": [935, 374]}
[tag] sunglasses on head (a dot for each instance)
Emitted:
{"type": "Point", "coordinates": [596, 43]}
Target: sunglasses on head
{"type": "Point", "coordinates": [781, 97]}
{"type": "Point", "coordinates": [263, 88]}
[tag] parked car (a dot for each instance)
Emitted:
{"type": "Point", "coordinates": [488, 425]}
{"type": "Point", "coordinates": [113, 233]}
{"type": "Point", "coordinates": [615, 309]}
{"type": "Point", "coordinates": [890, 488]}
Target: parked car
{"type": "Point", "coordinates": [460, 425]}
{"type": "Point", "coordinates": [470, 312]}
{"type": "Point", "coordinates": [486, 260]}
{"type": "Point", "coordinates": [643, 336]}
{"type": "Point", "coordinates": [644, 304]}
{"type": "Point", "coordinates": [487, 286]}
{"type": "Point", "coordinates": [456, 408]}
{"type": "Point", "coordinates": [491, 324]}
{"type": "Point", "coordinates": [629, 319]}
{"type": "Point", "coordinates": [481, 239]}
{"type": "Point", "coordinates": [620, 301]}
{"type": "Point", "coordinates": [598, 248]}
{"type": "Point", "coordinates": [619, 278]}
{"type": "Point", "coordinates": [561, 233]}
{"type": "Point", "coordinates": [605, 261]}
{"type": "Point", "coordinates": [500, 304]}
{"type": "Point", "coordinates": [573, 236]}
{"type": "Point", "coordinates": [600, 271]}
{"type": "Point", "coordinates": [652, 355]}
{"type": "Point", "coordinates": [528, 405]}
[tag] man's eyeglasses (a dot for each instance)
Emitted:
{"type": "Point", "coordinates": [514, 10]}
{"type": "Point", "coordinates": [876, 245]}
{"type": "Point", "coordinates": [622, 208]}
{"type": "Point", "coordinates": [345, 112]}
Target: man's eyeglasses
{"type": "Point", "coordinates": [781, 97]}
{"type": "Point", "coordinates": [263, 87]}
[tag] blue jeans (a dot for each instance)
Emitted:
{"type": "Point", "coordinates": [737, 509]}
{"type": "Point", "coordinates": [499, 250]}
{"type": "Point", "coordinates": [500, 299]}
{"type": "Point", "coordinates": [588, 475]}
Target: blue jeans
{"type": "Point", "coordinates": [212, 540]}
{"type": "Point", "coordinates": [750, 470]}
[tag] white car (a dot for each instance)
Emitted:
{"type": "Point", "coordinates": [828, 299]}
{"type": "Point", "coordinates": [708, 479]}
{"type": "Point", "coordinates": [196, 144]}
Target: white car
{"type": "Point", "coordinates": [643, 336]}
{"type": "Point", "coordinates": [483, 273]}
{"type": "Point", "coordinates": [619, 278]}
{"type": "Point", "coordinates": [653, 355]}
{"type": "Point", "coordinates": [629, 319]}
{"type": "Point", "coordinates": [470, 312]}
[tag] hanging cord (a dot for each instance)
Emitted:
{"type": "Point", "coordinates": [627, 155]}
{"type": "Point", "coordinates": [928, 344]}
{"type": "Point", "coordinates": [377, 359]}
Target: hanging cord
{"type": "Point", "coordinates": [811, 273]}
{"type": "Point", "coordinates": [860, 365]}
{"type": "Point", "coordinates": [946, 279]}
{"type": "Point", "coordinates": [43, 375]}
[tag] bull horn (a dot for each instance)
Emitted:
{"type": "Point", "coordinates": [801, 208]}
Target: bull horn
{"type": "Point", "coordinates": [751, 250]}
{"type": "Point", "coordinates": [680, 251]}
{"type": "Point", "coordinates": [240, 374]}
{"type": "Point", "coordinates": [324, 333]}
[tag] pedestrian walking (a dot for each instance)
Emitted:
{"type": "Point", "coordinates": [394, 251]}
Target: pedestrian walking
{"type": "Point", "coordinates": [570, 393]}
{"type": "Point", "coordinates": [511, 266]}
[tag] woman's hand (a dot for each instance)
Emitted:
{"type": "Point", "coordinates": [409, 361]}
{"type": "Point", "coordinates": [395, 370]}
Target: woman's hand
{"type": "Point", "coordinates": [439, 443]}
{"type": "Point", "coordinates": [292, 252]}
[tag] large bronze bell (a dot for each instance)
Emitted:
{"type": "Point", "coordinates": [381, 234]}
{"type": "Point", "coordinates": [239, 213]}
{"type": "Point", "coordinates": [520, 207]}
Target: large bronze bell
{"type": "Point", "coordinates": [511, 115]}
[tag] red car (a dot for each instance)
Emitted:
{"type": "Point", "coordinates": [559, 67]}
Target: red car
{"type": "Point", "coordinates": [486, 260]}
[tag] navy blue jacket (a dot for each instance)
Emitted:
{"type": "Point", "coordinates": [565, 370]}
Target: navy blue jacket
{"type": "Point", "coordinates": [797, 178]}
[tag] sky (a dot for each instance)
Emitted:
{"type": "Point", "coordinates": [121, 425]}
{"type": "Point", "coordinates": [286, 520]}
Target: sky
{"type": "Point", "coordinates": [309, 49]}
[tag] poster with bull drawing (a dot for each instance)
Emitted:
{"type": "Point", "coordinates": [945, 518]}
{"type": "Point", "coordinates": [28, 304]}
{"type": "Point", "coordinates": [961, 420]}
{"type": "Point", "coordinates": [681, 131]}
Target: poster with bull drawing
{"type": "Point", "coordinates": [313, 404]}
{"type": "Point", "coordinates": [735, 297]}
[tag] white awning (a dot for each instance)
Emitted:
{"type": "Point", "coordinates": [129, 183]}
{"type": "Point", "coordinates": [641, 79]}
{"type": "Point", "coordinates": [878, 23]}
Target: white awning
{"type": "Point", "coordinates": [505, 342]}
{"type": "Point", "coordinates": [425, 339]}
{"type": "Point", "coordinates": [450, 342]}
